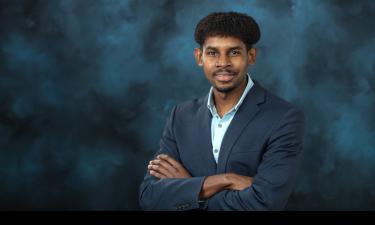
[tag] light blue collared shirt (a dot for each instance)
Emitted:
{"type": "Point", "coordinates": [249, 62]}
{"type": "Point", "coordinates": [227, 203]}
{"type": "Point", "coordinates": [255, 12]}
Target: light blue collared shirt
{"type": "Point", "coordinates": [220, 125]}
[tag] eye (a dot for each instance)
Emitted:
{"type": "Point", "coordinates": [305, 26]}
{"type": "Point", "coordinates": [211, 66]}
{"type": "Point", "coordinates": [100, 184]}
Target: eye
{"type": "Point", "coordinates": [235, 52]}
{"type": "Point", "coordinates": [211, 53]}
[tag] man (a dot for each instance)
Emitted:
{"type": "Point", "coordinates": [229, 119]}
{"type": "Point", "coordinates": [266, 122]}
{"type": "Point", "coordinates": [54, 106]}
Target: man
{"type": "Point", "coordinates": [236, 148]}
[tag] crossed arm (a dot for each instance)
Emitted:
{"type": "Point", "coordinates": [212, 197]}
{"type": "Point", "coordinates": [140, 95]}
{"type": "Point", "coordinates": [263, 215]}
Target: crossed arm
{"type": "Point", "coordinates": [267, 190]}
{"type": "Point", "coordinates": [165, 166]}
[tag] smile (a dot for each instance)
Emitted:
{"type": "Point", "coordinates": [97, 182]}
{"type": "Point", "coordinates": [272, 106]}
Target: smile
{"type": "Point", "coordinates": [224, 77]}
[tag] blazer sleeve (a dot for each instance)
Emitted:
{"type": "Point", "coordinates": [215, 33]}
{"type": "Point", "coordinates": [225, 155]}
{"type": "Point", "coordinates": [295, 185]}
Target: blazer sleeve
{"type": "Point", "coordinates": [169, 194]}
{"type": "Point", "coordinates": [276, 172]}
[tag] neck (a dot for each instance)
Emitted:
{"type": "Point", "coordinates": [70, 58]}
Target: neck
{"type": "Point", "coordinates": [224, 101]}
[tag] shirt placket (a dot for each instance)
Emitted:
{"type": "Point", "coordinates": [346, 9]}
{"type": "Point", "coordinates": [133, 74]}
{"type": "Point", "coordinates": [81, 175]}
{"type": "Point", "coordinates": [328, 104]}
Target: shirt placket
{"type": "Point", "coordinates": [219, 131]}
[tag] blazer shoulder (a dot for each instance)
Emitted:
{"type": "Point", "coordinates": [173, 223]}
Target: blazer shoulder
{"type": "Point", "coordinates": [191, 106]}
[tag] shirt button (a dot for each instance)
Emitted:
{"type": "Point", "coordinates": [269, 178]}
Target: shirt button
{"type": "Point", "coordinates": [220, 125]}
{"type": "Point", "coordinates": [216, 151]}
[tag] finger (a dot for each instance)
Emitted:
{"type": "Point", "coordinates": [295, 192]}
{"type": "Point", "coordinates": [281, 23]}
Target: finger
{"type": "Point", "coordinates": [164, 164]}
{"type": "Point", "coordinates": [157, 174]}
{"type": "Point", "coordinates": [155, 162]}
{"type": "Point", "coordinates": [154, 165]}
{"type": "Point", "coordinates": [170, 160]}
{"type": "Point", "coordinates": [165, 158]}
{"type": "Point", "coordinates": [160, 169]}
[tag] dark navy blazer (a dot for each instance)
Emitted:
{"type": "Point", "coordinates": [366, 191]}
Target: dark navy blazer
{"type": "Point", "coordinates": [264, 141]}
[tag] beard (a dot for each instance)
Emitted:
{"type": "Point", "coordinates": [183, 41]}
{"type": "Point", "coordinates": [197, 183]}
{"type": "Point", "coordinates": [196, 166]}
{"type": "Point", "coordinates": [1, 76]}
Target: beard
{"type": "Point", "coordinates": [225, 89]}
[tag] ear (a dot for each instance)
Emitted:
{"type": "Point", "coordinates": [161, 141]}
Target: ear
{"type": "Point", "coordinates": [198, 56]}
{"type": "Point", "coordinates": [252, 55]}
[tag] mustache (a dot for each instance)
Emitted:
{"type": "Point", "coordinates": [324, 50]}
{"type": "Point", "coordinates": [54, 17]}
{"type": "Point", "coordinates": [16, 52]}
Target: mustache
{"type": "Point", "coordinates": [229, 71]}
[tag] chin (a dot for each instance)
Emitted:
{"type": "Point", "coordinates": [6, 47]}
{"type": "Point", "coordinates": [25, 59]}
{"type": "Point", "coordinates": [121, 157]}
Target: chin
{"type": "Point", "coordinates": [224, 89]}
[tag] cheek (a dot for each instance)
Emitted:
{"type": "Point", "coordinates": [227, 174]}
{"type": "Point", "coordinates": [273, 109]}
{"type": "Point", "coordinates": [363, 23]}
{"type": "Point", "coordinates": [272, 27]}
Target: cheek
{"type": "Point", "coordinates": [240, 64]}
{"type": "Point", "coordinates": [208, 66]}
{"type": "Point", "coordinates": [208, 61]}
{"type": "Point", "coordinates": [207, 71]}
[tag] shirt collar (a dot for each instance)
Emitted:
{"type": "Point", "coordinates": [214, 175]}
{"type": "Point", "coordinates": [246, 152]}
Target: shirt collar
{"type": "Point", "coordinates": [211, 105]}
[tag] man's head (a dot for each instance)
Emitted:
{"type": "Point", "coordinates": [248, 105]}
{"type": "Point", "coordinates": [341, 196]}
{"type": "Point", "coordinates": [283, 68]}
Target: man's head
{"type": "Point", "coordinates": [226, 48]}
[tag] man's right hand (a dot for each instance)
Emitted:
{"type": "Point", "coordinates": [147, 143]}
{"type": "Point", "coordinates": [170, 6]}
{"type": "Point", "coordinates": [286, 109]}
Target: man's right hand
{"type": "Point", "coordinates": [165, 166]}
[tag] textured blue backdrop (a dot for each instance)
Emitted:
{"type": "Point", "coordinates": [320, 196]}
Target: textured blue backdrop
{"type": "Point", "coordinates": [86, 87]}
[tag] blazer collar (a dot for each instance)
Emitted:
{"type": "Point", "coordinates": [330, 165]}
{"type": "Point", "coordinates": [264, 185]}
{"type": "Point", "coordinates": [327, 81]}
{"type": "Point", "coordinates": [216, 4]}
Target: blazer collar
{"type": "Point", "coordinates": [244, 115]}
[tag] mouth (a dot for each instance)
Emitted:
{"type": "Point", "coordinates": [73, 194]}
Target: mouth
{"type": "Point", "coordinates": [224, 77]}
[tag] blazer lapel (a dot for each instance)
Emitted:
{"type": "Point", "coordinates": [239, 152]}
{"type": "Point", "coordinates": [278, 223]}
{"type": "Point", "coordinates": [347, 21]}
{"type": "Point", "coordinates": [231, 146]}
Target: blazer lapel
{"type": "Point", "coordinates": [244, 115]}
{"type": "Point", "coordinates": [204, 135]}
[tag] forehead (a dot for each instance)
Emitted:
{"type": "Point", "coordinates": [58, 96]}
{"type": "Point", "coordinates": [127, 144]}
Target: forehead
{"type": "Point", "coordinates": [223, 42]}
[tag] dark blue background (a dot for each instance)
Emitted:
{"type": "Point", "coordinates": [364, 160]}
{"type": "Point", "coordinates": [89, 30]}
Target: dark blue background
{"type": "Point", "coordinates": [86, 87]}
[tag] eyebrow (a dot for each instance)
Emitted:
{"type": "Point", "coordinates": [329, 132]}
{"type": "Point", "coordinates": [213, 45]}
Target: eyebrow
{"type": "Point", "coordinates": [230, 49]}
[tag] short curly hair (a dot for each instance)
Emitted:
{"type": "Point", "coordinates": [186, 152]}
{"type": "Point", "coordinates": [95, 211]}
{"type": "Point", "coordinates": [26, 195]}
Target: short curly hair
{"type": "Point", "coordinates": [227, 24]}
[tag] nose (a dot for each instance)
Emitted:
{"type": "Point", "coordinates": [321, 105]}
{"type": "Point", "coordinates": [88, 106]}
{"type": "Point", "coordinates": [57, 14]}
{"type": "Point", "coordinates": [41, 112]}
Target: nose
{"type": "Point", "coordinates": [223, 61]}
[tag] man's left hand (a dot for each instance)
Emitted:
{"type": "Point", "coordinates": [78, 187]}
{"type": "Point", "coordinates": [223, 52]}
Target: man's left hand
{"type": "Point", "coordinates": [165, 166]}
